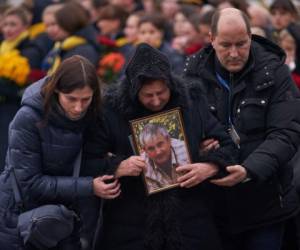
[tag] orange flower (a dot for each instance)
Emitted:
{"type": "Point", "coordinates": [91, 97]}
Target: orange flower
{"type": "Point", "coordinates": [110, 66]}
{"type": "Point", "coordinates": [113, 60]}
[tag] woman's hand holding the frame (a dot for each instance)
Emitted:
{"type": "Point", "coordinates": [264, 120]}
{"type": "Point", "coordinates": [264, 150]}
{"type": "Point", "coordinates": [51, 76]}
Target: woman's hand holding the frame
{"type": "Point", "coordinates": [106, 187]}
{"type": "Point", "coordinates": [132, 166]}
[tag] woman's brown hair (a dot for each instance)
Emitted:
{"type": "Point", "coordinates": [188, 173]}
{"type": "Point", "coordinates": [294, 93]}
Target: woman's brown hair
{"type": "Point", "coordinates": [157, 20]}
{"type": "Point", "coordinates": [73, 73]}
{"type": "Point", "coordinates": [72, 17]}
{"type": "Point", "coordinates": [113, 12]}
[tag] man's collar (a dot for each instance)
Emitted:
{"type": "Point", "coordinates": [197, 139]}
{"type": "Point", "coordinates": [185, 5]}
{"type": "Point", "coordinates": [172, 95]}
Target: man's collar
{"type": "Point", "coordinates": [225, 74]}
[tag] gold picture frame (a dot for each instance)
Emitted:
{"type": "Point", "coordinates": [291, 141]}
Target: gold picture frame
{"type": "Point", "coordinates": [160, 139]}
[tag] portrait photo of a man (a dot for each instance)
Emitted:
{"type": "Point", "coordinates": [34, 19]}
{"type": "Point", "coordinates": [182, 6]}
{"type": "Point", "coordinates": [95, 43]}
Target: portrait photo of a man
{"type": "Point", "coordinates": [162, 155]}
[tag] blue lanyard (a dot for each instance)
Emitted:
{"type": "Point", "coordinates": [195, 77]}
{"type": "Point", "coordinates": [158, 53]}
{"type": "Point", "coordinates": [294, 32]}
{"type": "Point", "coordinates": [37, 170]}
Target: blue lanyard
{"type": "Point", "coordinates": [225, 84]}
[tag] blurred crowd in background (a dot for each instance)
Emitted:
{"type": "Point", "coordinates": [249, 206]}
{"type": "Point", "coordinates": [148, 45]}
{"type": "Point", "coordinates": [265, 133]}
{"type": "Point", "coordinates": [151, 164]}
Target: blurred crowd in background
{"type": "Point", "coordinates": [36, 35]}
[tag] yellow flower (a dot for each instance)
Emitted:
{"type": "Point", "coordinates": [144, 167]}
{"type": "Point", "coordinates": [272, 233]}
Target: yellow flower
{"type": "Point", "coordinates": [14, 67]}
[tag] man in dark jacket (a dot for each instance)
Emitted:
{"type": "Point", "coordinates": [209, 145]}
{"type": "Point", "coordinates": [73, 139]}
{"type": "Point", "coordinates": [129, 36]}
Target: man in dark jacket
{"type": "Point", "coordinates": [178, 218]}
{"type": "Point", "coordinates": [251, 92]}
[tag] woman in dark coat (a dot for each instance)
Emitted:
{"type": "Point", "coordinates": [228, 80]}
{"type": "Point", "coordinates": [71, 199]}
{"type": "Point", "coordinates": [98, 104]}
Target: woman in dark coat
{"type": "Point", "coordinates": [45, 137]}
{"type": "Point", "coordinates": [175, 219]}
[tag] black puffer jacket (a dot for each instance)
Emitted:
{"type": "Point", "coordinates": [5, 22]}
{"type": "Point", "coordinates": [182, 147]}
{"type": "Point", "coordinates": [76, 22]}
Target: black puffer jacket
{"type": "Point", "coordinates": [264, 107]}
{"type": "Point", "coordinates": [174, 219]}
{"type": "Point", "coordinates": [43, 158]}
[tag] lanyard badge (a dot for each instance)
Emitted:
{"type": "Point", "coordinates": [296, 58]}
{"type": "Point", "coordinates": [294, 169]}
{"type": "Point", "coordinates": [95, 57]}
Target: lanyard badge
{"type": "Point", "coordinates": [234, 135]}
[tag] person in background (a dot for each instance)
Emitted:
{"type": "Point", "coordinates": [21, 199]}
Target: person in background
{"type": "Point", "coordinates": [260, 18]}
{"type": "Point", "coordinates": [168, 9]}
{"type": "Point", "coordinates": [97, 5]}
{"type": "Point", "coordinates": [205, 26]}
{"type": "Point", "coordinates": [38, 47]}
{"type": "Point", "coordinates": [186, 31]}
{"type": "Point", "coordinates": [15, 40]}
{"type": "Point", "coordinates": [111, 22]}
{"type": "Point", "coordinates": [90, 8]}
{"type": "Point", "coordinates": [45, 137]}
{"type": "Point", "coordinates": [74, 36]}
{"type": "Point", "coordinates": [49, 20]}
{"type": "Point", "coordinates": [151, 30]}
{"type": "Point", "coordinates": [35, 10]}
{"type": "Point", "coordinates": [131, 33]}
{"type": "Point", "coordinates": [284, 15]}
{"type": "Point", "coordinates": [3, 8]}
{"type": "Point", "coordinates": [251, 92]}
{"type": "Point", "coordinates": [113, 43]}
{"type": "Point", "coordinates": [288, 43]}
{"type": "Point", "coordinates": [151, 6]}
{"type": "Point", "coordinates": [131, 27]}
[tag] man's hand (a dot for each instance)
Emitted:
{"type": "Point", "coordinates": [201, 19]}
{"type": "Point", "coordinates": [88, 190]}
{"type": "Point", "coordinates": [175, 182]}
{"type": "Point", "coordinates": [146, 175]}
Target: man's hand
{"type": "Point", "coordinates": [237, 174]}
{"type": "Point", "coordinates": [193, 174]}
{"type": "Point", "coordinates": [208, 145]}
{"type": "Point", "coordinates": [133, 166]}
{"type": "Point", "coordinates": [106, 190]}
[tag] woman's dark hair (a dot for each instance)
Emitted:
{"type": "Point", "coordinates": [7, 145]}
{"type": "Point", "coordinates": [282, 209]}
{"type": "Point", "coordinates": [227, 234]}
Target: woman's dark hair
{"type": "Point", "coordinates": [72, 17]}
{"type": "Point", "coordinates": [285, 5]}
{"type": "Point", "coordinates": [113, 12]}
{"type": "Point", "coordinates": [157, 20]}
{"type": "Point", "coordinates": [73, 73]}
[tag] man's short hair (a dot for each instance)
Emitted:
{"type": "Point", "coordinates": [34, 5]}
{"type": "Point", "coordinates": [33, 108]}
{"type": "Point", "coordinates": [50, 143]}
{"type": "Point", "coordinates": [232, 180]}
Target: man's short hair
{"type": "Point", "coordinates": [216, 18]}
{"type": "Point", "coordinates": [151, 130]}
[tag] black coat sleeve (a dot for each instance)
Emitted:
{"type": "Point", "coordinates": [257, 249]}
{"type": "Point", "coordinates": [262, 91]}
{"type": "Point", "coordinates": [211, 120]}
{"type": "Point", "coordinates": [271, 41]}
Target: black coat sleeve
{"type": "Point", "coordinates": [282, 134]}
{"type": "Point", "coordinates": [227, 153]}
{"type": "Point", "coordinates": [100, 154]}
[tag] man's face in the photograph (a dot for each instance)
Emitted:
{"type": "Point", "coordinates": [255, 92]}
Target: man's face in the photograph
{"type": "Point", "coordinates": [158, 149]}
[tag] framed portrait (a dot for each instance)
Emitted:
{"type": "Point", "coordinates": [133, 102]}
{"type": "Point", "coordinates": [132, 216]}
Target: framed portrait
{"type": "Point", "coordinates": [161, 141]}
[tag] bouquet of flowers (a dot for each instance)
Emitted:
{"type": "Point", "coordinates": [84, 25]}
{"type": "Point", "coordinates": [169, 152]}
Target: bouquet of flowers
{"type": "Point", "coordinates": [110, 66]}
{"type": "Point", "coordinates": [14, 67]}
{"type": "Point", "coordinates": [14, 71]}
